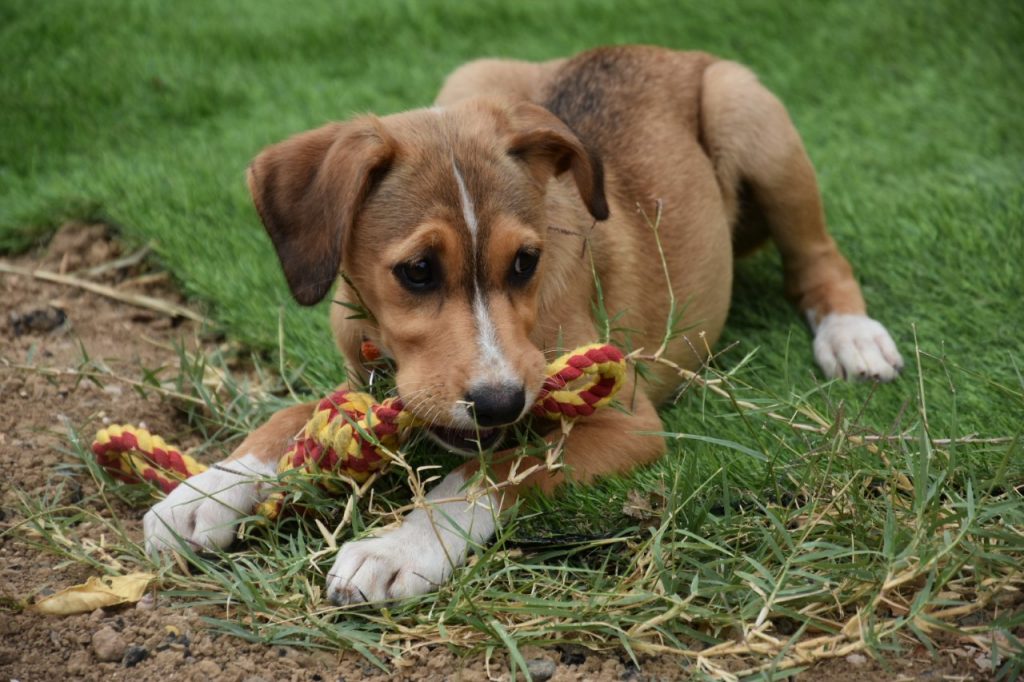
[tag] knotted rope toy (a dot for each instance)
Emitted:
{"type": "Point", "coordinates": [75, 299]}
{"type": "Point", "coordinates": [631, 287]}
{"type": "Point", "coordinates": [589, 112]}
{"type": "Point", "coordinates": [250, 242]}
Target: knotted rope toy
{"type": "Point", "coordinates": [351, 433]}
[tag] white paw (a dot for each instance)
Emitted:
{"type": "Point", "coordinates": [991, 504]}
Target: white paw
{"type": "Point", "coordinates": [856, 347]}
{"type": "Point", "coordinates": [202, 510]}
{"type": "Point", "coordinates": [404, 562]}
{"type": "Point", "coordinates": [418, 556]}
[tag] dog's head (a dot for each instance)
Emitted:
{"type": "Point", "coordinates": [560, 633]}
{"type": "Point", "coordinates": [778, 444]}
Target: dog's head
{"type": "Point", "coordinates": [437, 219]}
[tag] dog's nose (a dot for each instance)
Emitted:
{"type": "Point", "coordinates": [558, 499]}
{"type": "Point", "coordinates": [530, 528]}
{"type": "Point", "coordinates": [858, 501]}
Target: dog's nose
{"type": "Point", "coordinates": [496, 404]}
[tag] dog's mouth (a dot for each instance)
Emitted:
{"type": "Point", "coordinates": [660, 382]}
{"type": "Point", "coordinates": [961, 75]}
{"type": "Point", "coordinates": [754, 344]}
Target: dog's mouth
{"type": "Point", "coordinates": [467, 441]}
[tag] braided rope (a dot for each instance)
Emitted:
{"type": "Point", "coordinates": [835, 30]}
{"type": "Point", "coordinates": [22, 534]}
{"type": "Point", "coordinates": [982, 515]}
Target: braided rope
{"type": "Point", "coordinates": [602, 368]}
{"type": "Point", "coordinates": [133, 454]}
{"type": "Point", "coordinates": [350, 433]}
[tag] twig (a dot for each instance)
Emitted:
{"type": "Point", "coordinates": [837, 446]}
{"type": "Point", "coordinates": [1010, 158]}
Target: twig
{"type": "Point", "coordinates": [143, 280]}
{"type": "Point", "coordinates": [138, 300]}
{"type": "Point", "coordinates": [121, 263]}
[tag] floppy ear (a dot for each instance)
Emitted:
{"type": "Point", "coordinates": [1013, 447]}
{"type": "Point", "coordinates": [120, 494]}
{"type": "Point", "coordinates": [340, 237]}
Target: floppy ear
{"type": "Point", "coordinates": [308, 191]}
{"type": "Point", "coordinates": [550, 148]}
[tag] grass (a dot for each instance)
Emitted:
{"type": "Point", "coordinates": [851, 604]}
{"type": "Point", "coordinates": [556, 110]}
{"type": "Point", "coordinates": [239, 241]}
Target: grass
{"type": "Point", "coordinates": [740, 559]}
{"type": "Point", "coordinates": [145, 114]}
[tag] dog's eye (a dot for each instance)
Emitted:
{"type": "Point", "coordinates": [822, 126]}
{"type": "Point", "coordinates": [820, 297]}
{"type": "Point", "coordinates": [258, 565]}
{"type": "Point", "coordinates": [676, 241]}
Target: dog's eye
{"type": "Point", "coordinates": [419, 275]}
{"type": "Point", "coordinates": [524, 265]}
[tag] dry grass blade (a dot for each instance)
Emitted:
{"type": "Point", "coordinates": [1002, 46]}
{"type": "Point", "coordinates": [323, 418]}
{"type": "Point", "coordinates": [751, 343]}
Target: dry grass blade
{"type": "Point", "coordinates": [129, 261]}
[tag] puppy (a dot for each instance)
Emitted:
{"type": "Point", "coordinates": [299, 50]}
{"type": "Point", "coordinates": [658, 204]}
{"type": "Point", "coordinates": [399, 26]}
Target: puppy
{"type": "Point", "coordinates": [475, 233]}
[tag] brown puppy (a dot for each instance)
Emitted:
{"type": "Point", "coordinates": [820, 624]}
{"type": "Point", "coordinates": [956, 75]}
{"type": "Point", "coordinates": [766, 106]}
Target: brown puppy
{"type": "Point", "coordinates": [469, 231]}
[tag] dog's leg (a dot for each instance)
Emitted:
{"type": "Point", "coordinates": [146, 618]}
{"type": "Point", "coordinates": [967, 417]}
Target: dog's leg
{"type": "Point", "coordinates": [754, 145]}
{"type": "Point", "coordinates": [202, 511]}
{"type": "Point", "coordinates": [421, 553]}
{"type": "Point", "coordinates": [607, 442]}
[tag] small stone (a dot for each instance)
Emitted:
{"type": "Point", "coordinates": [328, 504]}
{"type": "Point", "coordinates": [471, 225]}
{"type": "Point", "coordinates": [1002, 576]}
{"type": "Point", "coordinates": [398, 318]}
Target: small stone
{"type": "Point", "coordinates": [147, 603]}
{"type": "Point", "coordinates": [108, 645]}
{"type": "Point", "coordinates": [611, 669]}
{"type": "Point", "coordinates": [206, 669]}
{"type": "Point", "coordinates": [134, 655]}
{"type": "Point", "coordinates": [540, 669]}
{"type": "Point", "coordinates": [203, 646]}
{"type": "Point", "coordinates": [168, 658]}
{"type": "Point", "coordinates": [80, 664]}
{"type": "Point", "coordinates": [856, 659]}
{"type": "Point", "coordinates": [572, 654]}
{"type": "Point", "coordinates": [38, 320]}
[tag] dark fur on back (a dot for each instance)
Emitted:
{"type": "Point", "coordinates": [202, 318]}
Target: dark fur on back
{"type": "Point", "coordinates": [598, 94]}
{"type": "Point", "coordinates": [583, 94]}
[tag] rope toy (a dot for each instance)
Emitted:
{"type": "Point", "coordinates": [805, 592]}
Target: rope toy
{"type": "Point", "coordinates": [350, 433]}
{"type": "Point", "coordinates": [132, 455]}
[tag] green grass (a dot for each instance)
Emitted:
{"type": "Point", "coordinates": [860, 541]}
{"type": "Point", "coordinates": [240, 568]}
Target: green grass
{"type": "Point", "coordinates": [145, 114]}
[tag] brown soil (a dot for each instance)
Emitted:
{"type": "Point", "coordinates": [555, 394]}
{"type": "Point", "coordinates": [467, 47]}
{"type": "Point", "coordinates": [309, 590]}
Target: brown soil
{"type": "Point", "coordinates": [43, 326]}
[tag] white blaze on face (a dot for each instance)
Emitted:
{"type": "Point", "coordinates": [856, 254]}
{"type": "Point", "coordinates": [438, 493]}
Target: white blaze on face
{"type": "Point", "coordinates": [492, 359]}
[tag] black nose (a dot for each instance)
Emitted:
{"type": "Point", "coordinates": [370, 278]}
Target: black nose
{"type": "Point", "coordinates": [496, 404]}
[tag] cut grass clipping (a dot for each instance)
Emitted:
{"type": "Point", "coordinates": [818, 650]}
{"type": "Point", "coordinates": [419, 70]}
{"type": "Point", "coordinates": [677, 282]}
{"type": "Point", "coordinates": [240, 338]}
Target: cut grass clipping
{"type": "Point", "coordinates": [815, 538]}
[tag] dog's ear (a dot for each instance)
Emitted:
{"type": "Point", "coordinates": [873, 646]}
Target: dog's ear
{"type": "Point", "coordinates": [549, 147]}
{"type": "Point", "coordinates": [308, 191]}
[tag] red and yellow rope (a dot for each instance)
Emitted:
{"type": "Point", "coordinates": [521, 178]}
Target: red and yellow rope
{"type": "Point", "coordinates": [350, 433]}
{"type": "Point", "coordinates": [133, 454]}
{"type": "Point", "coordinates": [600, 365]}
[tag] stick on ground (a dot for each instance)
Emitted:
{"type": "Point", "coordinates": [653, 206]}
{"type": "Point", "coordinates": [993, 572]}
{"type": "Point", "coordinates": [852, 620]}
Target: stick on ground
{"type": "Point", "coordinates": [138, 300]}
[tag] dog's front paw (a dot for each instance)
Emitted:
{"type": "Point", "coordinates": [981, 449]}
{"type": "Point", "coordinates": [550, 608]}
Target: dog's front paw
{"type": "Point", "coordinates": [856, 347]}
{"type": "Point", "coordinates": [203, 509]}
{"type": "Point", "coordinates": [404, 562]}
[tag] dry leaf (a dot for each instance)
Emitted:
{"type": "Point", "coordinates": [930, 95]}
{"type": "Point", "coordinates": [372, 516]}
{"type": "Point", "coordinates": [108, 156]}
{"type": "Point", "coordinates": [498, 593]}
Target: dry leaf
{"type": "Point", "coordinates": [645, 506]}
{"type": "Point", "coordinates": [96, 593]}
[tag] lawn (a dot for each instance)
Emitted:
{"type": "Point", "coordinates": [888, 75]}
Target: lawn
{"type": "Point", "coordinates": [145, 115]}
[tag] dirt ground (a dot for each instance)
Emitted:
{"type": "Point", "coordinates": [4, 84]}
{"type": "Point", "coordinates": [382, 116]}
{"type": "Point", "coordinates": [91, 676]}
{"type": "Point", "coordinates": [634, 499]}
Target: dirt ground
{"type": "Point", "coordinates": [47, 326]}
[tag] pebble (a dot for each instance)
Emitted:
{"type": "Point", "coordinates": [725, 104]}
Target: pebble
{"type": "Point", "coordinates": [856, 659]}
{"type": "Point", "coordinates": [79, 664]}
{"type": "Point", "coordinates": [37, 320]}
{"type": "Point", "coordinates": [206, 669]}
{"type": "Point", "coordinates": [134, 655]}
{"type": "Point", "coordinates": [540, 669]}
{"type": "Point", "coordinates": [168, 658]}
{"type": "Point", "coordinates": [573, 655]}
{"type": "Point", "coordinates": [108, 645]}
